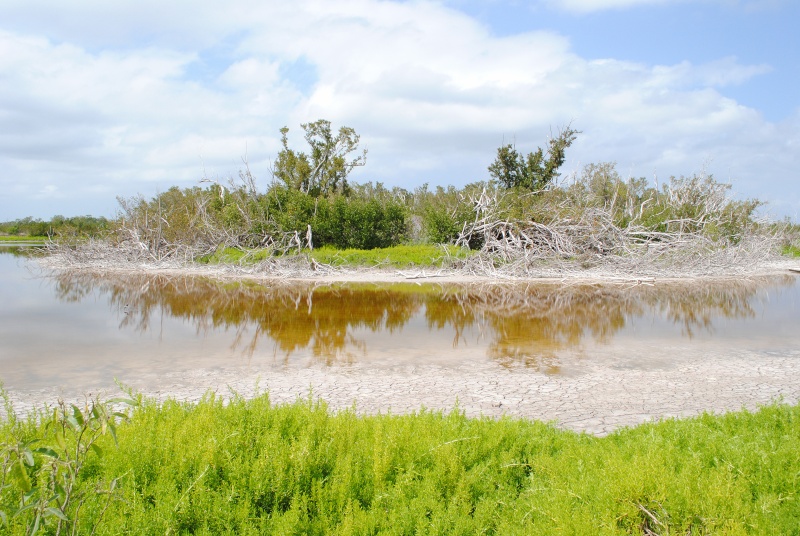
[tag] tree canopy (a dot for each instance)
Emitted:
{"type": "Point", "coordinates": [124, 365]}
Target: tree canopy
{"type": "Point", "coordinates": [324, 169]}
{"type": "Point", "coordinates": [535, 171]}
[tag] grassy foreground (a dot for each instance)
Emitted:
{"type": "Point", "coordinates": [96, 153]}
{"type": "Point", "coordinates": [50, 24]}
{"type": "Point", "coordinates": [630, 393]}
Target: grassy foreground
{"type": "Point", "coordinates": [249, 467]}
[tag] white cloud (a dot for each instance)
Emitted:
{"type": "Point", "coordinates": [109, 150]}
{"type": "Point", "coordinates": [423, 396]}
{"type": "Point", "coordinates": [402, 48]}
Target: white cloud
{"type": "Point", "coordinates": [588, 6]}
{"type": "Point", "coordinates": [431, 90]}
{"type": "Point", "coordinates": [592, 6]}
{"type": "Point", "coordinates": [719, 73]}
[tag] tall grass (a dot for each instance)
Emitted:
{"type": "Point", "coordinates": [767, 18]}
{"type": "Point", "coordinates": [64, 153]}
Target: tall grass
{"type": "Point", "coordinates": [250, 467]}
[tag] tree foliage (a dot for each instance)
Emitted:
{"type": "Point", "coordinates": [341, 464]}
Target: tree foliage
{"type": "Point", "coordinates": [324, 169]}
{"type": "Point", "coordinates": [535, 171]}
{"type": "Point", "coordinates": [58, 226]}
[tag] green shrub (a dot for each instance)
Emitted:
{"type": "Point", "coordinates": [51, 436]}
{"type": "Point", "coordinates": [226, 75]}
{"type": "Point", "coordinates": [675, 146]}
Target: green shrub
{"type": "Point", "coordinates": [360, 223]}
{"type": "Point", "coordinates": [445, 211]}
{"type": "Point", "coordinates": [49, 466]}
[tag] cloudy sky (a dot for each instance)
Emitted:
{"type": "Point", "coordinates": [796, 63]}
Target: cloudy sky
{"type": "Point", "coordinates": [100, 99]}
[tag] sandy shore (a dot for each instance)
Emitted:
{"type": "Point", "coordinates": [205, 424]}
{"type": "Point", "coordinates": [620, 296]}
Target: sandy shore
{"type": "Point", "coordinates": [321, 274]}
{"type": "Point", "coordinates": [597, 397]}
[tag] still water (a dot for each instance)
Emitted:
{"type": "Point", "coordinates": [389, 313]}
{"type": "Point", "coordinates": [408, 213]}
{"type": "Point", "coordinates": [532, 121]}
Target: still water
{"type": "Point", "coordinates": [83, 330]}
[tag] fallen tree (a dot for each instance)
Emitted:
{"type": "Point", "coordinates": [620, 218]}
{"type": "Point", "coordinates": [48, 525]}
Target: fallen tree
{"type": "Point", "coordinates": [690, 227]}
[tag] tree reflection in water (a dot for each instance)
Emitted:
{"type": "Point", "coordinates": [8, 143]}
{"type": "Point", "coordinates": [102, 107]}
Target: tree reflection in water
{"type": "Point", "coordinates": [20, 250]}
{"type": "Point", "coordinates": [523, 324]}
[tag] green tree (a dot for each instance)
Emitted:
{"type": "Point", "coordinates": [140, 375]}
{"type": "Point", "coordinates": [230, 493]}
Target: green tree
{"type": "Point", "coordinates": [324, 169]}
{"type": "Point", "coordinates": [535, 171]}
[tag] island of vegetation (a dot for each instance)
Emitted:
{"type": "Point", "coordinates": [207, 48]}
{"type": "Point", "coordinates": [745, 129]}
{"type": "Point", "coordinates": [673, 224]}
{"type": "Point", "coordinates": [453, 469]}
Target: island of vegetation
{"type": "Point", "coordinates": [237, 466]}
{"type": "Point", "coordinates": [525, 221]}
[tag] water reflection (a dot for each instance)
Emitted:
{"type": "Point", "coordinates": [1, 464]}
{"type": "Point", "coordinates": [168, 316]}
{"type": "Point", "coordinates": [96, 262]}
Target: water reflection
{"type": "Point", "coordinates": [516, 324]}
{"type": "Point", "coordinates": [21, 249]}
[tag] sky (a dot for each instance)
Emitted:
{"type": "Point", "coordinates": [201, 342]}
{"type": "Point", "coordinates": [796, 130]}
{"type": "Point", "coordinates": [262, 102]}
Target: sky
{"type": "Point", "coordinates": [102, 99]}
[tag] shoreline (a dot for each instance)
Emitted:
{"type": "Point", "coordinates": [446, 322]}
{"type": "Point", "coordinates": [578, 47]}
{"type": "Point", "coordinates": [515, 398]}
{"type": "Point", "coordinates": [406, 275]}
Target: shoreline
{"type": "Point", "coordinates": [326, 274]}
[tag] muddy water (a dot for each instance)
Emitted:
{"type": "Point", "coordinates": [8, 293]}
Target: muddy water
{"type": "Point", "coordinates": [79, 331]}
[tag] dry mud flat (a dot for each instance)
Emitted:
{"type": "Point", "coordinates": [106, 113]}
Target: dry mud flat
{"type": "Point", "coordinates": [593, 398]}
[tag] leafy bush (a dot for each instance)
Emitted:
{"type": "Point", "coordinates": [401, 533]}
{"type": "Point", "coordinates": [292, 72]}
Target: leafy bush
{"type": "Point", "coordinates": [369, 217]}
{"type": "Point", "coordinates": [45, 461]}
{"type": "Point", "coordinates": [446, 211]}
{"type": "Point", "coordinates": [534, 172]}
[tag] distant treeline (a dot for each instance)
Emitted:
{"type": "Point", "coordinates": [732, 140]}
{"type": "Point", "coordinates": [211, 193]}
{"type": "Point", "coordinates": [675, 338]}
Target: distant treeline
{"type": "Point", "coordinates": [57, 226]}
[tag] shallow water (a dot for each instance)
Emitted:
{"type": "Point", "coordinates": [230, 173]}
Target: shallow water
{"type": "Point", "coordinates": [82, 330]}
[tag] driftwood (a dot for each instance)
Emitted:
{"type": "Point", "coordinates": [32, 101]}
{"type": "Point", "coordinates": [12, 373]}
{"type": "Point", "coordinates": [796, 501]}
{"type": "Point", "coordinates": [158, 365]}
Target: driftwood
{"type": "Point", "coordinates": [576, 236]}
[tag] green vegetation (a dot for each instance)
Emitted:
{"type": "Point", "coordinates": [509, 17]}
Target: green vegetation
{"type": "Point", "coordinates": [325, 168]}
{"type": "Point", "coordinates": [420, 255]}
{"type": "Point", "coordinates": [369, 216]}
{"type": "Point", "coordinates": [43, 462]}
{"type": "Point", "coordinates": [404, 256]}
{"type": "Point", "coordinates": [249, 467]}
{"type": "Point", "coordinates": [58, 226]}
{"type": "Point", "coordinates": [522, 215]}
{"type": "Point", "coordinates": [791, 251]}
{"type": "Point", "coordinates": [533, 172]}
{"type": "Point", "coordinates": [227, 255]}
{"type": "Point", "coordinates": [791, 245]}
{"type": "Point", "coordinates": [26, 239]}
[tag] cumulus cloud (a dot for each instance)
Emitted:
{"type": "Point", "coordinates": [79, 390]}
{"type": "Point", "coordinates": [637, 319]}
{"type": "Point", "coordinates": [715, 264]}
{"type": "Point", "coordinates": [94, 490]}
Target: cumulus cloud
{"type": "Point", "coordinates": [432, 91]}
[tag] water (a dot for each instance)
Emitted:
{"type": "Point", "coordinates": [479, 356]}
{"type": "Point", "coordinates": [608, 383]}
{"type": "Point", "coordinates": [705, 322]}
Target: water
{"type": "Point", "coordinates": [83, 330]}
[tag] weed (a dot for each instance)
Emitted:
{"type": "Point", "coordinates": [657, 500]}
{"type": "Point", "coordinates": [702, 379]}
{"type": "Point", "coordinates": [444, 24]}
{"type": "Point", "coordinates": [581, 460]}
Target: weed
{"type": "Point", "coordinates": [44, 461]}
{"type": "Point", "coordinates": [250, 467]}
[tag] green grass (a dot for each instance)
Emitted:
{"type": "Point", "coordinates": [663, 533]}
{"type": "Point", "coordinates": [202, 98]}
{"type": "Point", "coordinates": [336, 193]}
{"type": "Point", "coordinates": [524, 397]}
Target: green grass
{"type": "Point", "coordinates": [406, 256]}
{"type": "Point", "coordinates": [791, 251]}
{"type": "Point", "coordinates": [235, 256]}
{"type": "Point", "coordinates": [17, 238]}
{"type": "Point", "coordinates": [249, 467]}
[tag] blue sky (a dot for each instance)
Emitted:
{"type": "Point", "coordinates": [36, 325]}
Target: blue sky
{"type": "Point", "coordinates": [756, 33]}
{"type": "Point", "coordinates": [102, 99]}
